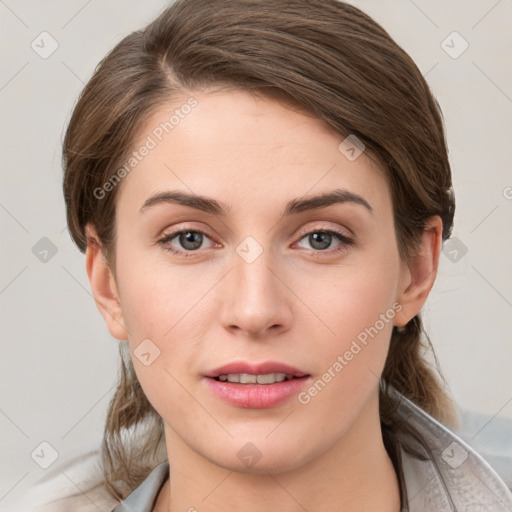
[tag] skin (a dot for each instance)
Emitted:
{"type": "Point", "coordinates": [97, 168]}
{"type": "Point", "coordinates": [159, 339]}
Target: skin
{"type": "Point", "coordinates": [295, 303]}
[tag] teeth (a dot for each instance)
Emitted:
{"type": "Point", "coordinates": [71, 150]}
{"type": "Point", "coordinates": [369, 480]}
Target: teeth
{"type": "Point", "coordinates": [247, 378]}
{"type": "Point", "coordinates": [270, 378]}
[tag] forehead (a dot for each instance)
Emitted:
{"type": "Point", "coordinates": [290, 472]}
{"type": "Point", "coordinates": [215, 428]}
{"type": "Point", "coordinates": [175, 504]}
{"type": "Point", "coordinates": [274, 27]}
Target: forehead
{"type": "Point", "coordinates": [245, 147]}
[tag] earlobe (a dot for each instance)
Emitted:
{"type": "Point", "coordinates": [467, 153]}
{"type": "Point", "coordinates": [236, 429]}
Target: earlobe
{"type": "Point", "coordinates": [419, 276]}
{"type": "Point", "coordinates": [103, 286]}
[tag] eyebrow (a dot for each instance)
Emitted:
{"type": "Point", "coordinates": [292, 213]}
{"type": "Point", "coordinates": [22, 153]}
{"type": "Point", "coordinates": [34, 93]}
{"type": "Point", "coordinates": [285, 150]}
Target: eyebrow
{"type": "Point", "coordinates": [294, 206]}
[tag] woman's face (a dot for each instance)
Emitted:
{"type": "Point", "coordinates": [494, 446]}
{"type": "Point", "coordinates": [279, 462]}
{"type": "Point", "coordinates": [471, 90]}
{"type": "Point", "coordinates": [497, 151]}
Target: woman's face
{"type": "Point", "coordinates": [266, 276]}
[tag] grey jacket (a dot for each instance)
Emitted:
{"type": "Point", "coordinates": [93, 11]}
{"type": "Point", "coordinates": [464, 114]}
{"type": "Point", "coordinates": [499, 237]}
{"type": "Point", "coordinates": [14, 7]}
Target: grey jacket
{"type": "Point", "coordinates": [437, 471]}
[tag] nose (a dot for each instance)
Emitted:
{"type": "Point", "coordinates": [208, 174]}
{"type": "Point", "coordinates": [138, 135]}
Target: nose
{"type": "Point", "coordinates": [257, 298]}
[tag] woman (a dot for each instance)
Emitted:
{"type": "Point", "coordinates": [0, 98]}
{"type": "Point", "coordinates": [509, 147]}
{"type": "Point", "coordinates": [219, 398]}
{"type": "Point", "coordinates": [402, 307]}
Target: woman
{"type": "Point", "coordinates": [262, 190]}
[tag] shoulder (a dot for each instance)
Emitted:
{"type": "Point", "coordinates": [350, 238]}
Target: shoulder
{"type": "Point", "coordinates": [76, 485]}
{"type": "Point", "coordinates": [441, 471]}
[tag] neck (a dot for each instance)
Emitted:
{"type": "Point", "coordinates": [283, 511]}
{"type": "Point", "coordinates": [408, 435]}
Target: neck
{"type": "Point", "coordinates": [355, 474]}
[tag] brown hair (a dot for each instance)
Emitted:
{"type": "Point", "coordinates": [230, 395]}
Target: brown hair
{"type": "Point", "coordinates": [324, 55]}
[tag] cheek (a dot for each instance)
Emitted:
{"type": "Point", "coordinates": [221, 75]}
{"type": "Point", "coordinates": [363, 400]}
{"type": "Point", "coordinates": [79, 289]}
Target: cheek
{"type": "Point", "coordinates": [165, 320]}
{"type": "Point", "coordinates": [349, 299]}
{"type": "Point", "coordinates": [158, 299]}
{"type": "Point", "coordinates": [351, 358]}
{"type": "Point", "coordinates": [356, 306]}
{"type": "Point", "coordinates": [168, 313]}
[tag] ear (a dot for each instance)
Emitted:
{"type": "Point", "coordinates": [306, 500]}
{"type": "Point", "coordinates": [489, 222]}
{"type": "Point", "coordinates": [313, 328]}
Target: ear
{"type": "Point", "coordinates": [103, 286]}
{"type": "Point", "coordinates": [419, 276]}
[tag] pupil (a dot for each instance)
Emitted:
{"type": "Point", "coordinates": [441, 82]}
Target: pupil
{"type": "Point", "coordinates": [320, 240]}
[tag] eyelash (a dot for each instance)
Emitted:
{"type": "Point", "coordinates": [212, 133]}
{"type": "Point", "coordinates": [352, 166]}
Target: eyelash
{"type": "Point", "coordinates": [344, 239]}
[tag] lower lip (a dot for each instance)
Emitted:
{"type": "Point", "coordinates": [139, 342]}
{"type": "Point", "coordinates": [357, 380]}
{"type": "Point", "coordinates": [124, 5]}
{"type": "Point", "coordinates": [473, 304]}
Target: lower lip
{"type": "Point", "coordinates": [256, 396]}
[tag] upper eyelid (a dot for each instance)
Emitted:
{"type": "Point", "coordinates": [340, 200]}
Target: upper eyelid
{"type": "Point", "coordinates": [342, 231]}
{"type": "Point", "coordinates": [174, 233]}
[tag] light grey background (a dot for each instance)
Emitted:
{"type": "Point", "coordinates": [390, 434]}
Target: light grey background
{"type": "Point", "coordinates": [58, 363]}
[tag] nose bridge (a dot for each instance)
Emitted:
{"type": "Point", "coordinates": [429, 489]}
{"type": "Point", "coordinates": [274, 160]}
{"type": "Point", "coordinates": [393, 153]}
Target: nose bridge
{"type": "Point", "coordinates": [253, 276]}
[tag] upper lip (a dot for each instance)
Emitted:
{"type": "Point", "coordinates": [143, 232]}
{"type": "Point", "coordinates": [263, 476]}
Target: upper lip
{"type": "Point", "coordinates": [255, 369]}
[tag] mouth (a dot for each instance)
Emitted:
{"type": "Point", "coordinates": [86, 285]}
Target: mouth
{"type": "Point", "coordinates": [256, 386]}
{"type": "Point", "coordinates": [261, 373]}
{"type": "Point", "coordinates": [247, 378]}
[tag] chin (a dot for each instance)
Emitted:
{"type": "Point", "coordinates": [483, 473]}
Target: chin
{"type": "Point", "coordinates": [262, 457]}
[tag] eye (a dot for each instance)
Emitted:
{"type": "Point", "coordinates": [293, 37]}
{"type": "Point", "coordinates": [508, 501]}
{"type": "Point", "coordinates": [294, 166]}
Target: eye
{"type": "Point", "coordinates": [190, 240]}
{"type": "Point", "coordinates": [321, 239]}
